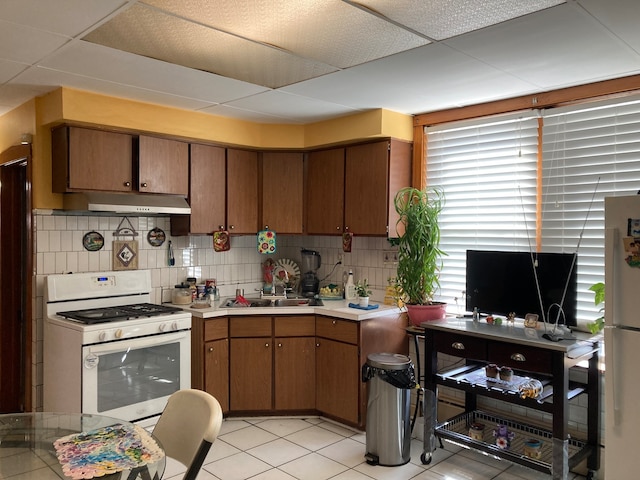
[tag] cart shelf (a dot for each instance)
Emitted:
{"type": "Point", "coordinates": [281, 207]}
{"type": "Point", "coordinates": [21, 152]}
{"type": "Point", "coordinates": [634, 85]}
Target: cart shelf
{"type": "Point", "coordinates": [456, 430]}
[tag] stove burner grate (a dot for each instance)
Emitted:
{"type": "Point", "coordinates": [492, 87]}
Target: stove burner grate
{"type": "Point", "coordinates": [122, 312]}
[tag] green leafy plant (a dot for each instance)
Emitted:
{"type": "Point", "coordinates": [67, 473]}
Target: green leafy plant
{"type": "Point", "coordinates": [598, 290]}
{"type": "Point", "coordinates": [362, 288]}
{"type": "Point", "coordinates": [419, 254]}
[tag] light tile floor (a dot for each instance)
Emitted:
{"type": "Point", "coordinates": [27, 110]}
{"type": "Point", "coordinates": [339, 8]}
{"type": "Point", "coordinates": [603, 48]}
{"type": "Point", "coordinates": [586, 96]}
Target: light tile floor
{"type": "Point", "coordinates": [317, 449]}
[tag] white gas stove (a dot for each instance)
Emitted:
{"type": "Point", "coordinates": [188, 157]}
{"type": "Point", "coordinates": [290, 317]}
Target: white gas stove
{"type": "Point", "coordinates": [108, 350]}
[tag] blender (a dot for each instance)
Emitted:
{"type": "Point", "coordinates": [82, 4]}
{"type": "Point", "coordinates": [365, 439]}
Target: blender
{"type": "Point", "coordinates": [309, 283]}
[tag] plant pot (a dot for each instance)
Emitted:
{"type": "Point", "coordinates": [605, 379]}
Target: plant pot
{"type": "Point", "coordinates": [363, 301]}
{"type": "Point", "coordinates": [426, 313]}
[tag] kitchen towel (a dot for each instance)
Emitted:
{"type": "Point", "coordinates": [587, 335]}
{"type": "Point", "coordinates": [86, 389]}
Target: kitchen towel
{"type": "Point", "coordinates": [266, 241]}
{"type": "Point", "coordinates": [371, 306]}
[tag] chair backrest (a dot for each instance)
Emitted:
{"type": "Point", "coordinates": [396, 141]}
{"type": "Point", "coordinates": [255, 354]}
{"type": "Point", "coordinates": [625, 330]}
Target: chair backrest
{"type": "Point", "coordinates": [188, 426]}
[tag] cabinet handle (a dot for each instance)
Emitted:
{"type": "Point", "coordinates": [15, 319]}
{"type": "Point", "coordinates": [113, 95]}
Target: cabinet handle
{"type": "Point", "coordinates": [279, 345]}
{"type": "Point", "coordinates": [231, 227]}
{"type": "Point", "coordinates": [211, 349]}
{"type": "Point", "coordinates": [334, 322]}
{"type": "Point", "coordinates": [127, 184]}
{"type": "Point", "coordinates": [266, 227]}
{"type": "Point", "coordinates": [457, 345]}
{"type": "Point", "coordinates": [318, 344]}
{"type": "Point", "coordinates": [143, 184]}
{"type": "Point", "coordinates": [338, 228]}
{"type": "Point", "coordinates": [221, 227]}
{"type": "Point", "coordinates": [266, 345]}
{"type": "Point", "coordinates": [518, 357]}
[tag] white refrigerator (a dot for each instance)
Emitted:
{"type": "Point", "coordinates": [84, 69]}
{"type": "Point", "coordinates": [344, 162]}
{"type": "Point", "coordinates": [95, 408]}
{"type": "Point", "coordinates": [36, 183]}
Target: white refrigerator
{"type": "Point", "coordinates": [622, 337]}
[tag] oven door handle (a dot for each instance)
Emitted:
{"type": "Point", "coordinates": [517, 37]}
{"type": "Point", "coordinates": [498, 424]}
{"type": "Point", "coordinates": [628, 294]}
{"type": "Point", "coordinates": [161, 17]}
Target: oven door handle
{"type": "Point", "coordinates": [136, 343]}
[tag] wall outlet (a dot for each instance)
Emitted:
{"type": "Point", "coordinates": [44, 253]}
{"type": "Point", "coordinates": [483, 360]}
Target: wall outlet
{"type": "Point", "coordinates": [389, 257]}
{"type": "Point", "coordinates": [340, 257]}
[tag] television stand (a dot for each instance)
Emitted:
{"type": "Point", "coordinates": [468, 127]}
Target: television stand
{"type": "Point", "coordinates": [529, 356]}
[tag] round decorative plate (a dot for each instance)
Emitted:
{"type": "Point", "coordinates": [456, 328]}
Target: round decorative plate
{"type": "Point", "coordinates": [156, 237]}
{"type": "Point", "coordinates": [292, 269]}
{"type": "Point", "coordinates": [92, 241]}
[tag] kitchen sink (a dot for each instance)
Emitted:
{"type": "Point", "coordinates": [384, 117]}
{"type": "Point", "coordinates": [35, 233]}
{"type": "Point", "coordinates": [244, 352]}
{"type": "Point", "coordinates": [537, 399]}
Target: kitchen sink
{"type": "Point", "coordinates": [280, 302]}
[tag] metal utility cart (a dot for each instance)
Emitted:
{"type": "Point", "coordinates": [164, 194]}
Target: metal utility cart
{"type": "Point", "coordinates": [530, 356]}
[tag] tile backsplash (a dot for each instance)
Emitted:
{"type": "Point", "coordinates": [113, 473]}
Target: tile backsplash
{"type": "Point", "coordinates": [59, 249]}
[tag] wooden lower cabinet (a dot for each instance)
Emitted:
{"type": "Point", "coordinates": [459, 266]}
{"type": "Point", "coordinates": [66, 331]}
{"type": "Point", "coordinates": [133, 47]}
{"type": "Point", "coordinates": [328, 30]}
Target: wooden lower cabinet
{"type": "Point", "coordinates": [251, 365]}
{"type": "Point", "coordinates": [338, 380]}
{"type": "Point", "coordinates": [295, 373]}
{"type": "Point", "coordinates": [216, 371]}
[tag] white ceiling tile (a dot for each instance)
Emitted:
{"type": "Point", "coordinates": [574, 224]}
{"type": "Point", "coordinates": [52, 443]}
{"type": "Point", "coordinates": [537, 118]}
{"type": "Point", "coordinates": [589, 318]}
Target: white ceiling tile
{"type": "Point", "coordinates": [440, 19]}
{"type": "Point", "coordinates": [293, 108]}
{"type": "Point", "coordinates": [66, 17]}
{"type": "Point", "coordinates": [619, 16]}
{"type": "Point", "coordinates": [557, 47]}
{"type": "Point", "coordinates": [47, 80]}
{"type": "Point", "coordinates": [25, 44]}
{"type": "Point", "coordinates": [96, 61]}
{"type": "Point", "coordinates": [430, 77]}
{"type": "Point", "coordinates": [9, 70]}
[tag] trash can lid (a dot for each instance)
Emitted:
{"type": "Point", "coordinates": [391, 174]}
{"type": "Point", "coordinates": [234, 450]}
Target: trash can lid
{"type": "Point", "coordinates": [388, 361]}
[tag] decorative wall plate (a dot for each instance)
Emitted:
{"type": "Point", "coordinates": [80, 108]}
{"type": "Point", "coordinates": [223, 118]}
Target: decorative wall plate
{"type": "Point", "coordinates": [156, 237]}
{"type": "Point", "coordinates": [93, 241]}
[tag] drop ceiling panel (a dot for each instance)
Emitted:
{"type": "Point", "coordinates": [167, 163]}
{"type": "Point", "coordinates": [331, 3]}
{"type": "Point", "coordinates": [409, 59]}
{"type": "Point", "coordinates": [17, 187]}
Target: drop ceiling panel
{"type": "Point", "coordinates": [46, 80]}
{"type": "Point", "coordinates": [9, 70]}
{"type": "Point", "coordinates": [558, 47]}
{"type": "Point", "coordinates": [434, 76]}
{"type": "Point", "coordinates": [331, 32]}
{"type": "Point", "coordinates": [96, 61]}
{"type": "Point", "coordinates": [154, 34]}
{"type": "Point", "coordinates": [292, 108]}
{"type": "Point", "coordinates": [67, 17]}
{"type": "Point", "coordinates": [440, 19]}
{"type": "Point", "coordinates": [25, 44]}
{"type": "Point", "coordinates": [616, 16]}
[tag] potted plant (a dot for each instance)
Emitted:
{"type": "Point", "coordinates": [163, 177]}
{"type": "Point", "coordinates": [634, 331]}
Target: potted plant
{"type": "Point", "coordinates": [598, 323]}
{"type": "Point", "coordinates": [363, 292]}
{"type": "Point", "coordinates": [419, 254]}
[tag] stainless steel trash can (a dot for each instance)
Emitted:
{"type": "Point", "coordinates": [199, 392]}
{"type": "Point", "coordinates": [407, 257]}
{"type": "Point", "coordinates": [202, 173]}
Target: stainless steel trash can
{"type": "Point", "coordinates": [388, 428]}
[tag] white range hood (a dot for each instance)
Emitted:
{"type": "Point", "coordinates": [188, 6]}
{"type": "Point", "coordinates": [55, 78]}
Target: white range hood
{"type": "Point", "coordinates": [129, 203]}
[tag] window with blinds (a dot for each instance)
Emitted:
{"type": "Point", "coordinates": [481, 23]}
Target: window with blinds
{"type": "Point", "coordinates": [489, 171]}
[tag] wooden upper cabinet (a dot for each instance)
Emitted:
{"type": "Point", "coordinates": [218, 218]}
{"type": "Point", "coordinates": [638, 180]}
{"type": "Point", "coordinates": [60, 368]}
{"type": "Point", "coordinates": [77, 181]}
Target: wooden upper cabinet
{"type": "Point", "coordinates": [242, 191]}
{"type": "Point", "coordinates": [163, 166]}
{"type": "Point", "coordinates": [89, 159]}
{"type": "Point", "coordinates": [207, 192]}
{"type": "Point", "coordinates": [325, 192]}
{"type": "Point", "coordinates": [373, 174]}
{"type": "Point", "coordinates": [283, 191]}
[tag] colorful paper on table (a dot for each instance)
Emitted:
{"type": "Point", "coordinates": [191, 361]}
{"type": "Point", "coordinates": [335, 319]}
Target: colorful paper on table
{"type": "Point", "coordinates": [106, 450]}
{"type": "Point", "coordinates": [221, 241]}
{"type": "Point", "coordinates": [266, 242]}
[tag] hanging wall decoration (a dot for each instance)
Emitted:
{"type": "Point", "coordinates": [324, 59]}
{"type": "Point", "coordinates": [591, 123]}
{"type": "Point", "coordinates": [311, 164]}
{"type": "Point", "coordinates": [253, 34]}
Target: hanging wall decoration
{"type": "Point", "coordinates": [156, 237]}
{"type": "Point", "coordinates": [125, 252]}
{"type": "Point", "coordinates": [92, 241]}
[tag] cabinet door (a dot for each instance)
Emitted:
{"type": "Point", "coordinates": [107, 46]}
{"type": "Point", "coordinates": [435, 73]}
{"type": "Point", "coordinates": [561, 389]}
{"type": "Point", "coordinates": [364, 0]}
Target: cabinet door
{"type": "Point", "coordinates": [295, 373]}
{"type": "Point", "coordinates": [251, 365]}
{"type": "Point", "coordinates": [216, 371]}
{"type": "Point", "coordinates": [163, 166]}
{"type": "Point", "coordinates": [337, 380]}
{"type": "Point", "coordinates": [282, 191]}
{"type": "Point", "coordinates": [325, 192]}
{"type": "Point", "coordinates": [242, 191]}
{"type": "Point", "coordinates": [207, 192]}
{"type": "Point", "coordinates": [87, 159]}
{"type": "Point", "coordinates": [367, 189]}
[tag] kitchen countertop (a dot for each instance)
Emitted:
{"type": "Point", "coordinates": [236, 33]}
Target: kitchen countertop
{"type": "Point", "coordinates": [331, 308]}
{"type": "Point", "coordinates": [518, 334]}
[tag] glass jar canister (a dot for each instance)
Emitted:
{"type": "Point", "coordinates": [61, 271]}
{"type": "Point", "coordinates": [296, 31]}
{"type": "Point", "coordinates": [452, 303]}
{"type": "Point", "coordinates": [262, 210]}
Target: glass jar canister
{"type": "Point", "coordinates": [533, 448]}
{"type": "Point", "coordinates": [476, 431]}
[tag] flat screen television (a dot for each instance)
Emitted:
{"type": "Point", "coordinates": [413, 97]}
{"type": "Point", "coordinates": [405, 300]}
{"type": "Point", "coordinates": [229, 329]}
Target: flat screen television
{"type": "Point", "coordinates": [498, 283]}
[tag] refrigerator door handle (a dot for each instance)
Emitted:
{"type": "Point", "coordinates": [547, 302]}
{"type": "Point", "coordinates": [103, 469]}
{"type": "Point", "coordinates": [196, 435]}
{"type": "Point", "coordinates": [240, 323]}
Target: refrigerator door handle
{"type": "Point", "coordinates": [610, 249]}
{"type": "Point", "coordinates": [613, 364]}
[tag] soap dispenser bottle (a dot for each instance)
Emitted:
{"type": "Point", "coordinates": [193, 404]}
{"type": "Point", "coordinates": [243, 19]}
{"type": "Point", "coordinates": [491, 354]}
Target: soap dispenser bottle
{"type": "Point", "coordinates": [350, 288]}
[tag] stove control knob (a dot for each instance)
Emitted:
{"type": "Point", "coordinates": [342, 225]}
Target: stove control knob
{"type": "Point", "coordinates": [119, 333]}
{"type": "Point", "coordinates": [102, 336]}
{"type": "Point", "coordinates": [174, 326]}
{"type": "Point", "coordinates": [162, 327]}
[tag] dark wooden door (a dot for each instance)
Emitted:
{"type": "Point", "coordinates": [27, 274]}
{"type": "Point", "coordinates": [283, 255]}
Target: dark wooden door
{"type": "Point", "coordinates": [15, 334]}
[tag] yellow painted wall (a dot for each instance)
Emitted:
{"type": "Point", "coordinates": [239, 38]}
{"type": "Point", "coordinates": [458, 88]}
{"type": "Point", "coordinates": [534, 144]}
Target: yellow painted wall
{"type": "Point", "coordinates": [66, 105]}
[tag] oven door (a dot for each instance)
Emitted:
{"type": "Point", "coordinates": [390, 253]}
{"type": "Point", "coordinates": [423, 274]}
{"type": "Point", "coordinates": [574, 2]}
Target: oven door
{"type": "Point", "coordinates": [133, 379]}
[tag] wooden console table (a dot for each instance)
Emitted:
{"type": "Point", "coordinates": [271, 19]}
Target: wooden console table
{"type": "Point", "coordinates": [531, 357]}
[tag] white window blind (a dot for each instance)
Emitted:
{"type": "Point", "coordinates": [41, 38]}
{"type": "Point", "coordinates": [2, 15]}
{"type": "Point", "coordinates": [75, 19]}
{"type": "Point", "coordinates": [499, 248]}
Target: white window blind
{"type": "Point", "coordinates": [488, 169]}
{"type": "Point", "coordinates": [589, 152]}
